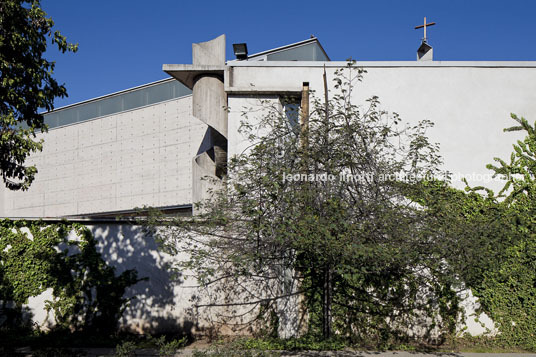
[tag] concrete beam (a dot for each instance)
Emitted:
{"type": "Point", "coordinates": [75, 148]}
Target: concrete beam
{"type": "Point", "coordinates": [187, 73]}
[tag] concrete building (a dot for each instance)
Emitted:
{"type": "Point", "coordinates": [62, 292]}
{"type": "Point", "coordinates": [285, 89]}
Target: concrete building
{"type": "Point", "coordinates": [151, 145]}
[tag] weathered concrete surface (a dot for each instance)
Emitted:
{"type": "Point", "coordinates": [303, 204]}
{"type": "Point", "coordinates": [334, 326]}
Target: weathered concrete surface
{"type": "Point", "coordinates": [210, 102]}
{"type": "Point", "coordinates": [117, 162]}
{"type": "Point", "coordinates": [210, 52]}
{"type": "Point", "coordinates": [209, 106]}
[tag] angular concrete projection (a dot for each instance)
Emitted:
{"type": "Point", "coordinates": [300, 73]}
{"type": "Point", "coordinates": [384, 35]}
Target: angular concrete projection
{"type": "Point", "coordinates": [209, 103]}
{"type": "Point", "coordinates": [210, 53]}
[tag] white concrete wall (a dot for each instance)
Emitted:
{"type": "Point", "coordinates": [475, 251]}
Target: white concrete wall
{"type": "Point", "coordinates": [118, 162]}
{"type": "Point", "coordinates": [470, 103]}
{"type": "Point", "coordinates": [161, 303]}
{"type": "Point", "coordinates": [165, 303]}
{"type": "Point", "coordinates": [143, 156]}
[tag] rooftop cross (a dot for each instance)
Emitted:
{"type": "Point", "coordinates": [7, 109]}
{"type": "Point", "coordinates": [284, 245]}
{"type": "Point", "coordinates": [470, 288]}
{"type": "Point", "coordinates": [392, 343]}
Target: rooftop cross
{"type": "Point", "coordinates": [424, 26]}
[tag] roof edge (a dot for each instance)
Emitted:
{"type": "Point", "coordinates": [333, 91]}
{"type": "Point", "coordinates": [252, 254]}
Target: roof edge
{"type": "Point", "coordinates": [113, 94]}
{"type": "Point", "coordinates": [388, 64]}
{"type": "Point", "coordinates": [285, 47]}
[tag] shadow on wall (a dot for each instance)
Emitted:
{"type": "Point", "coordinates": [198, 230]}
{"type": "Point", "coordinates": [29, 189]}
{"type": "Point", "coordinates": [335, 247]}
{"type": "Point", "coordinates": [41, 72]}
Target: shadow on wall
{"type": "Point", "coordinates": [159, 304]}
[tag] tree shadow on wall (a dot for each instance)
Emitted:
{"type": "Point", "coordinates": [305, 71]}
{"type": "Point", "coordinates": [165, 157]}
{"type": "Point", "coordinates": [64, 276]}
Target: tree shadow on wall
{"type": "Point", "coordinates": [158, 306]}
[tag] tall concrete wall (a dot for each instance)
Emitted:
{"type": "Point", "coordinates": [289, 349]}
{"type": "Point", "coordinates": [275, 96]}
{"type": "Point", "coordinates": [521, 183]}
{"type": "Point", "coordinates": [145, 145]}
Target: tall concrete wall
{"type": "Point", "coordinates": [144, 156]}
{"type": "Point", "coordinates": [118, 162]}
{"type": "Point", "coordinates": [165, 302]}
{"type": "Point", "coordinates": [160, 303]}
{"type": "Point", "coordinates": [470, 102]}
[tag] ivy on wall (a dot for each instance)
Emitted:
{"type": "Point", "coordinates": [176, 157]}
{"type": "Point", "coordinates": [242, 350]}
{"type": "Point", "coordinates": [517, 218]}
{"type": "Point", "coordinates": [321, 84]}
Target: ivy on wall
{"type": "Point", "coordinates": [508, 292]}
{"type": "Point", "coordinates": [36, 256]}
{"type": "Point", "coordinates": [493, 238]}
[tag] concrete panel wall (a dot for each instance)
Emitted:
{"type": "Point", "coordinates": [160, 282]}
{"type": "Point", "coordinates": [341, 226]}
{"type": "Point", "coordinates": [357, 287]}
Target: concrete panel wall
{"type": "Point", "coordinates": [469, 104]}
{"type": "Point", "coordinates": [118, 162]}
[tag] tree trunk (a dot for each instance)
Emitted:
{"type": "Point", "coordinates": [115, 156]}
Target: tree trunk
{"type": "Point", "coordinates": [288, 306]}
{"type": "Point", "coordinates": [326, 303]}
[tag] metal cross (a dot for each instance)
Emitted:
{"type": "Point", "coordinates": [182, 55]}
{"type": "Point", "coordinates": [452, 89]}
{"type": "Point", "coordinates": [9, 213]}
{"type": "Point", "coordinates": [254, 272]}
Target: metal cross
{"type": "Point", "coordinates": [424, 26]}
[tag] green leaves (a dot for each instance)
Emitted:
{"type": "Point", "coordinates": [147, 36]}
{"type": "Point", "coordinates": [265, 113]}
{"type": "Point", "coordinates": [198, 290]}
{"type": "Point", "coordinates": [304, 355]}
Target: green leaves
{"type": "Point", "coordinates": [492, 240]}
{"type": "Point", "coordinates": [361, 251]}
{"type": "Point", "coordinates": [27, 86]}
{"type": "Point", "coordinates": [36, 256]}
{"type": "Point", "coordinates": [507, 291]}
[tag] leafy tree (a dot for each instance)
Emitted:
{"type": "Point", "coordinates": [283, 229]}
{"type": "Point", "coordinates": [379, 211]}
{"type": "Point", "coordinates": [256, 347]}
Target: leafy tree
{"type": "Point", "coordinates": [27, 85]}
{"type": "Point", "coordinates": [318, 221]}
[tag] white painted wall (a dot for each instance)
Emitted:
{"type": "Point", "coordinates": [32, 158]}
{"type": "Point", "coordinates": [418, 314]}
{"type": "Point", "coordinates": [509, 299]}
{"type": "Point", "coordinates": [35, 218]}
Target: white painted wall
{"type": "Point", "coordinates": [470, 102]}
{"type": "Point", "coordinates": [164, 302]}
{"type": "Point", "coordinates": [143, 157]}
{"type": "Point", "coordinates": [117, 162]}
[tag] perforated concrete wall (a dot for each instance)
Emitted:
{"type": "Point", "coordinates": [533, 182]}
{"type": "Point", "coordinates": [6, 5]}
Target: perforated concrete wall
{"type": "Point", "coordinates": [117, 162]}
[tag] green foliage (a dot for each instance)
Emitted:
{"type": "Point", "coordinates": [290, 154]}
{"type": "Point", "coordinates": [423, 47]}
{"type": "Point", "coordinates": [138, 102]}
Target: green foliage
{"type": "Point", "coordinates": [164, 347]}
{"type": "Point", "coordinates": [168, 348]}
{"type": "Point", "coordinates": [494, 240]}
{"type": "Point", "coordinates": [306, 343]}
{"type": "Point", "coordinates": [125, 349]}
{"type": "Point", "coordinates": [26, 85]}
{"type": "Point", "coordinates": [233, 349]}
{"type": "Point", "coordinates": [480, 344]}
{"type": "Point", "coordinates": [520, 173]}
{"type": "Point", "coordinates": [507, 291]}
{"type": "Point", "coordinates": [36, 256]}
{"type": "Point", "coordinates": [358, 248]}
{"type": "Point", "coordinates": [508, 295]}
{"type": "Point", "coordinates": [57, 352]}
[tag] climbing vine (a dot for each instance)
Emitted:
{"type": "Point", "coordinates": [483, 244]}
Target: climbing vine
{"type": "Point", "coordinates": [493, 238]}
{"type": "Point", "coordinates": [36, 256]}
{"type": "Point", "coordinates": [508, 292]}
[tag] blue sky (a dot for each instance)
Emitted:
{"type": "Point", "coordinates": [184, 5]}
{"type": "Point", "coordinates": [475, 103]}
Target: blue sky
{"type": "Point", "coordinates": [124, 43]}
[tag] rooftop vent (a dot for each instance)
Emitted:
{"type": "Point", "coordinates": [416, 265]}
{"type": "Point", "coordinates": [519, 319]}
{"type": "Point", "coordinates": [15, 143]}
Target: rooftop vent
{"type": "Point", "coordinates": [425, 52]}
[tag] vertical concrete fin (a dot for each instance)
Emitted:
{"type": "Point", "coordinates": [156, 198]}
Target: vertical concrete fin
{"type": "Point", "coordinates": [209, 53]}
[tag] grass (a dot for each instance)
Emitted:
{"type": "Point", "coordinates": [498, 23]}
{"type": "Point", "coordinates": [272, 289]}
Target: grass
{"type": "Point", "coordinates": [56, 341]}
{"type": "Point", "coordinates": [480, 344]}
{"type": "Point", "coordinates": [61, 343]}
{"type": "Point", "coordinates": [460, 344]}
